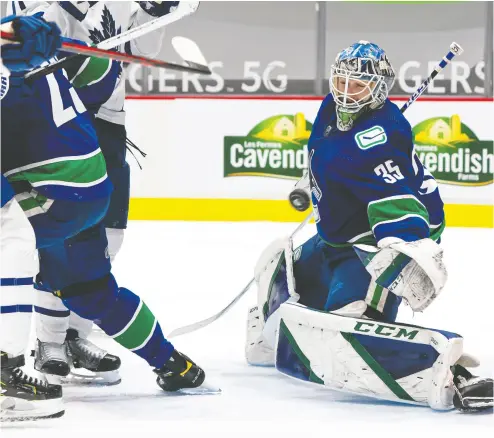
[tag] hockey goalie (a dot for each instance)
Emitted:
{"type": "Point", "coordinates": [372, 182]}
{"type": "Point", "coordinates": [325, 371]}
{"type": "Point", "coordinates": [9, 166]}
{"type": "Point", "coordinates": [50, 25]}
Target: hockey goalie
{"type": "Point", "coordinates": [326, 311]}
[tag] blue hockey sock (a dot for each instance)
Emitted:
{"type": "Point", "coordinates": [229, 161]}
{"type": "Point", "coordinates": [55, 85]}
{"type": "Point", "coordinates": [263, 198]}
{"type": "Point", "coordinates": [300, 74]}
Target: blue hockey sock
{"type": "Point", "coordinates": [122, 315]}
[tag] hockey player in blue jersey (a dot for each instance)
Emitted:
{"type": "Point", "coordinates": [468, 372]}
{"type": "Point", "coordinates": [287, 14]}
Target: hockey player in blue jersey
{"type": "Point", "coordinates": [23, 397]}
{"type": "Point", "coordinates": [58, 173]}
{"type": "Point", "coordinates": [326, 311]}
{"type": "Point", "coordinates": [92, 22]}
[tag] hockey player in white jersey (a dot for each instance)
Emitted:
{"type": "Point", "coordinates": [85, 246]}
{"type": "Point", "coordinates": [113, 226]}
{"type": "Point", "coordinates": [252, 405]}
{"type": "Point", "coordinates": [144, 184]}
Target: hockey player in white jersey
{"type": "Point", "coordinates": [22, 397]}
{"type": "Point", "coordinates": [60, 331]}
{"type": "Point", "coordinates": [326, 311]}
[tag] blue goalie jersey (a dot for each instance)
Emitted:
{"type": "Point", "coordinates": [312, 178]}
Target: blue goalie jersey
{"type": "Point", "coordinates": [367, 183]}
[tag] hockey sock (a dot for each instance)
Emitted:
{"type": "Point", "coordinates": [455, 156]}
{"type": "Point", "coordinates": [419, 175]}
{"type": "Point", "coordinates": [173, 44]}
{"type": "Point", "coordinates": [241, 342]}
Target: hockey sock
{"type": "Point", "coordinates": [122, 315]}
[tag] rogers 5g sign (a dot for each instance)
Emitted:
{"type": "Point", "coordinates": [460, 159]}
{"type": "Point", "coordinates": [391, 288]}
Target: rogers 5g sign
{"type": "Point", "coordinates": [274, 78]}
{"type": "Point", "coordinates": [462, 78]}
{"type": "Point", "coordinates": [257, 78]}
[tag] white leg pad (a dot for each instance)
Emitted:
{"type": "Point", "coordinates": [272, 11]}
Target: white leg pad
{"type": "Point", "coordinates": [334, 351]}
{"type": "Point", "coordinates": [257, 349]}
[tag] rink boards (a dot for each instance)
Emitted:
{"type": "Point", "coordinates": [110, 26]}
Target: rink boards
{"type": "Point", "coordinates": [236, 159]}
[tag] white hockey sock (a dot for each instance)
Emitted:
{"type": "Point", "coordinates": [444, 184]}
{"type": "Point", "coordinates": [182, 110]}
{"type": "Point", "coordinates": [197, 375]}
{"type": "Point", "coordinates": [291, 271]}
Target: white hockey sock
{"type": "Point", "coordinates": [52, 318]}
{"type": "Point", "coordinates": [115, 238]}
{"type": "Point", "coordinates": [16, 313]}
{"type": "Point", "coordinates": [19, 265]}
{"type": "Point", "coordinates": [83, 326]}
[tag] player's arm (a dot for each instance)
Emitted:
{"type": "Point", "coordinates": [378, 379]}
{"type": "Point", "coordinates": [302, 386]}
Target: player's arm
{"type": "Point", "coordinates": [148, 45]}
{"type": "Point", "coordinates": [50, 10]}
{"type": "Point", "coordinates": [406, 261]}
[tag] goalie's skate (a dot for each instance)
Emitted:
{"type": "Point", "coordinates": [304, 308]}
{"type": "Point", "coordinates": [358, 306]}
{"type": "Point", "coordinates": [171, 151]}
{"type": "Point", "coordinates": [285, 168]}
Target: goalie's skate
{"type": "Point", "coordinates": [472, 394]}
{"type": "Point", "coordinates": [182, 376]}
{"type": "Point", "coordinates": [91, 365]}
{"type": "Point", "coordinates": [25, 398]}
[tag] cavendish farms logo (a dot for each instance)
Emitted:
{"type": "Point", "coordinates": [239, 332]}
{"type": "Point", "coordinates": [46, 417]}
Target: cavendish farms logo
{"type": "Point", "coordinates": [452, 152]}
{"type": "Point", "coordinates": [275, 147]}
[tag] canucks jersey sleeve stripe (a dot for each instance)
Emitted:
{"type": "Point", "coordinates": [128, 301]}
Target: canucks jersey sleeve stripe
{"type": "Point", "coordinates": [402, 216]}
{"type": "Point", "coordinates": [73, 172]}
{"type": "Point", "coordinates": [52, 161]}
{"type": "Point", "coordinates": [67, 177]}
{"type": "Point", "coordinates": [91, 72]}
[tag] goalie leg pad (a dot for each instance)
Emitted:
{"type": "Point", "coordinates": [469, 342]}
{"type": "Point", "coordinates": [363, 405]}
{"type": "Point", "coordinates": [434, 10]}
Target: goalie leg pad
{"type": "Point", "coordinates": [270, 274]}
{"type": "Point", "coordinates": [390, 361]}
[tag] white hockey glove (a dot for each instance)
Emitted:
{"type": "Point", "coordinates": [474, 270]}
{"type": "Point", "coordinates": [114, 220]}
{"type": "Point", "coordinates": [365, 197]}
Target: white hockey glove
{"type": "Point", "coordinates": [413, 270]}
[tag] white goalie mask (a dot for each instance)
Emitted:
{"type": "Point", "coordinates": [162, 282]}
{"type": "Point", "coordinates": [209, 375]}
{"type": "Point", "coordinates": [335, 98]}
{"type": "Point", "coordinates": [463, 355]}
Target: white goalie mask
{"type": "Point", "coordinates": [361, 79]}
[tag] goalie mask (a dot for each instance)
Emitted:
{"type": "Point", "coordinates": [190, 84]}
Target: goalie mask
{"type": "Point", "coordinates": [361, 78]}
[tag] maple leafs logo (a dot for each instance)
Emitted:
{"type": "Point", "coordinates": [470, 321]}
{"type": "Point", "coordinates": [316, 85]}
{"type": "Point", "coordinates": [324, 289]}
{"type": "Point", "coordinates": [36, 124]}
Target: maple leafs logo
{"type": "Point", "coordinates": [108, 30]}
{"type": "Point", "coordinates": [107, 26]}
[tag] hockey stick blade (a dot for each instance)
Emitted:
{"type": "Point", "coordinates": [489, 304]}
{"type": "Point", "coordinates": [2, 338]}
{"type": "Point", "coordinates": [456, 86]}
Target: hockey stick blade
{"type": "Point", "coordinates": [189, 51]}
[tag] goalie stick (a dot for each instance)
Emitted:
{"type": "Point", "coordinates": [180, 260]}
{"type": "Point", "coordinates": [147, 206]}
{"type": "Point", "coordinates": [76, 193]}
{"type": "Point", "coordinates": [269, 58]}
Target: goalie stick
{"type": "Point", "coordinates": [455, 49]}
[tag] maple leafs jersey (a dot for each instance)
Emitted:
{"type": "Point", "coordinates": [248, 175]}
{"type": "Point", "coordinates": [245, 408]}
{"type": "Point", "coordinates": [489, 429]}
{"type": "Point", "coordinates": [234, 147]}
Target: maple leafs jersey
{"type": "Point", "coordinates": [367, 183]}
{"type": "Point", "coordinates": [102, 20]}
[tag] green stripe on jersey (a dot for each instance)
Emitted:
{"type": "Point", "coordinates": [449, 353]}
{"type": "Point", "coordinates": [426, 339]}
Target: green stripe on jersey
{"type": "Point", "coordinates": [394, 209]}
{"type": "Point", "coordinates": [140, 329]}
{"type": "Point", "coordinates": [87, 171]}
{"type": "Point", "coordinates": [91, 72]}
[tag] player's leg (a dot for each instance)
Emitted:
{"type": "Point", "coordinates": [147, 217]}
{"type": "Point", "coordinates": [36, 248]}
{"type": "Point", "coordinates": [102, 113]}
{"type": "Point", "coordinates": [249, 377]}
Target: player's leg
{"type": "Point", "coordinates": [93, 293]}
{"type": "Point", "coordinates": [85, 354]}
{"type": "Point", "coordinates": [312, 276]}
{"type": "Point", "coordinates": [112, 140]}
{"type": "Point", "coordinates": [23, 397]}
{"type": "Point", "coordinates": [53, 222]}
{"type": "Point", "coordinates": [86, 254]}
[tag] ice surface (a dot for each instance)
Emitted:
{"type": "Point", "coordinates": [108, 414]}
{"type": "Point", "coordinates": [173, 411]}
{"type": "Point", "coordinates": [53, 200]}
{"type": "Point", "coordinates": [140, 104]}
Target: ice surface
{"type": "Point", "coordinates": [186, 271]}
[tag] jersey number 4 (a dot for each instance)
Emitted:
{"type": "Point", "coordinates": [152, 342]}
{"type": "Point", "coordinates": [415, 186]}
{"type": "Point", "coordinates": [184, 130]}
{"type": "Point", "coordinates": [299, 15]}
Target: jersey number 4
{"type": "Point", "coordinates": [61, 114]}
{"type": "Point", "coordinates": [389, 171]}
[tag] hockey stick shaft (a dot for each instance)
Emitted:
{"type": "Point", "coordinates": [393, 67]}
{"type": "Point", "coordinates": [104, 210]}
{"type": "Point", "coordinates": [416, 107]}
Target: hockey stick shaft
{"type": "Point", "coordinates": [71, 46]}
{"type": "Point", "coordinates": [198, 325]}
{"type": "Point", "coordinates": [455, 49]}
{"type": "Point", "coordinates": [183, 9]}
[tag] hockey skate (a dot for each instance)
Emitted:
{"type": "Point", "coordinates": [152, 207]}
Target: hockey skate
{"type": "Point", "coordinates": [90, 365]}
{"type": "Point", "coordinates": [51, 359]}
{"type": "Point", "coordinates": [180, 374]}
{"type": "Point", "coordinates": [472, 393]}
{"type": "Point", "coordinates": [26, 398]}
